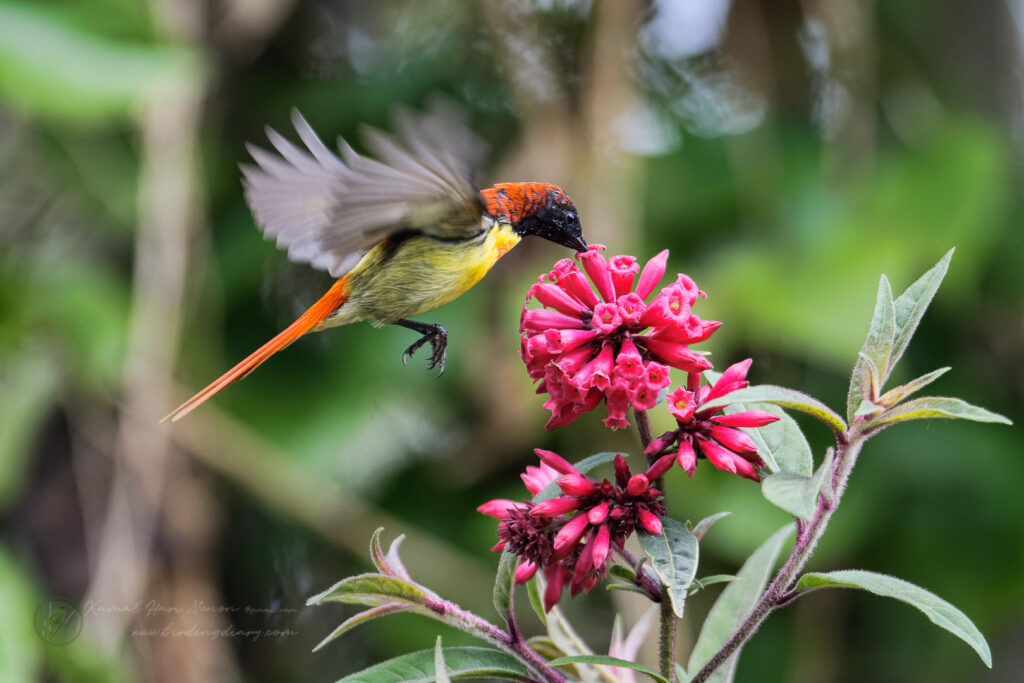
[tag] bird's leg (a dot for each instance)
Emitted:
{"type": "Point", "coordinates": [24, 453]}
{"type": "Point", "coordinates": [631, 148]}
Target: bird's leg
{"type": "Point", "coordinates": [433, 333]}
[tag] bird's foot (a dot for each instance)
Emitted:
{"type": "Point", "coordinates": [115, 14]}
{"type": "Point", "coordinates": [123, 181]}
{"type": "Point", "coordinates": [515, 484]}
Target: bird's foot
{"type": "Point", "coordinates": [438, 338]}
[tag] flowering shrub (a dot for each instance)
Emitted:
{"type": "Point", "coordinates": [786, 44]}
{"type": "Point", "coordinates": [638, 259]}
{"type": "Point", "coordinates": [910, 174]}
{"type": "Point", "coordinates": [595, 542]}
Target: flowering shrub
{"type": "Point", "coordinates": [599, 337]}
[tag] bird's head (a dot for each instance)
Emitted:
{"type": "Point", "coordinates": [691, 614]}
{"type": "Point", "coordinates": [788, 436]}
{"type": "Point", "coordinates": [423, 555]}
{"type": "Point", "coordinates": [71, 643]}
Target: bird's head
{"type": "Point", "coordinates": [537, 209]}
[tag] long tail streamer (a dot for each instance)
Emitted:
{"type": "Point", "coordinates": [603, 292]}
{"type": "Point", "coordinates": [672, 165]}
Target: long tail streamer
{"type": "Point", "coordinates": [317, 313]}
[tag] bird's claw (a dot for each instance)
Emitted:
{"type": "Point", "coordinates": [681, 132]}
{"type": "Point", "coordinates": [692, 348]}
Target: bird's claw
{"type": "Point", "coordinates": [438, 338]}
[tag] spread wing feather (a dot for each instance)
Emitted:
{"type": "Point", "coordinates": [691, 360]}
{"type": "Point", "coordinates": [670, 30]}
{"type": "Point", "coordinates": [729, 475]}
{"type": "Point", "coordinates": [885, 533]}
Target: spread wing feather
{"type": "Point", "coordinates": [329, 210]}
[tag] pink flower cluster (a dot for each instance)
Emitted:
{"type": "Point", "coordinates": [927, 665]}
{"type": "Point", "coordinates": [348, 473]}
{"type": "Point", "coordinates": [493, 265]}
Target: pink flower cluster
{"type": "Point", "coordinates": [611, 344]}
{"type": "Point", "coordinates": [714, 436]}
{"type": "Point", "coordinates": [571, 535]}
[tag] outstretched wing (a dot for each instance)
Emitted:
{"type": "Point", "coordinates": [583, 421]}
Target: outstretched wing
{"type": "Point", "coordinates": [328, 211]}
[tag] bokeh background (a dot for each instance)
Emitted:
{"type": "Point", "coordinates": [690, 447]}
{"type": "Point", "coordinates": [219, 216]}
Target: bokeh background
{"type": "Point", "coordinates": [786, 152]}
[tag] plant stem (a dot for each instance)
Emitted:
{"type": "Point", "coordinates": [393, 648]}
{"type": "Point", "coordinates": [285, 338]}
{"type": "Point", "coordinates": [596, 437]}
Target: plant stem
{"type": "Point", "coordinates": [667, 637]}
{"type": "Point", "coordinates": [779, 590]}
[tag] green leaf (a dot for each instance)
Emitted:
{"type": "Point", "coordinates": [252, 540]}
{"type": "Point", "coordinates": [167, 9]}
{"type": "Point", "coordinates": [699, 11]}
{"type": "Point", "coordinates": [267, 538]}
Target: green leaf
{"type": "Point", "coordinates": [377, 553]}
{"type": "Point", "coordinates": [440, 668]}
{"type": "Point", "coordinates": [877, 349]}
{"type": "Point", "coordinates": [910, 307]}
{"type": "Point", "coordinates": [504, 585]}
{"type": "Point", "coordinates": [897, 394]}
{"type": "Point", "coordinates": [703, 583]}
{"type": "Point", "coordinates": [51, 67]}
{"type": "Point", "coordinates": [674, 553]}
{"type": "Point", "coordinates": [784, 398]}
{"type": "Point", "coordinates": [460, 662]}
{"type": "Point", "coordinates": [704, 525]}
{"type": "Point", "coordinates": [607, 660]}
{"type": "Point", "coordinates": [362, 618]}
{"type": "Point", "coordinates": [628, 587]}
{"type": "Point", "coordinates": [536, 601]}
{"type": "Point", "coordinates": [782, 444]}
{"type": "Point", "coordinates": [735, 603]}
{"type": "Point", "coordinates": [29, 383]}
{"type": "Point", "coordinates": [585, 465]}
{"type": "Point", "coordinates": [624, 573]}
{"type": "Point", "coordinates": [935, 608]}
{"type": "Point", "coordinates": [681, 674]}
{"type": "Point", "coordinates": [933, 407]}
{"type": "Point", "coordinates": [795, 493]}
{"type": "Point", "coordinates": [372, 589]}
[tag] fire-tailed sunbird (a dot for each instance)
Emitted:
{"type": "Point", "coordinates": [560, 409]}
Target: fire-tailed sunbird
{"type": "Point", "coordinates": [404, 233]}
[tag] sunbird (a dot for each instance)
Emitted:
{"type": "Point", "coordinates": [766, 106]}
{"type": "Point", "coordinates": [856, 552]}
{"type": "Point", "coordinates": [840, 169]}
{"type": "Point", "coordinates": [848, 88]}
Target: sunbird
{"type": "Point", "coordinates": [403, 233]}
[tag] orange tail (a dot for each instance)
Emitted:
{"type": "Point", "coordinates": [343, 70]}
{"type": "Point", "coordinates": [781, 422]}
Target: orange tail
{"type": "Point", "coordinates": [317, 313]}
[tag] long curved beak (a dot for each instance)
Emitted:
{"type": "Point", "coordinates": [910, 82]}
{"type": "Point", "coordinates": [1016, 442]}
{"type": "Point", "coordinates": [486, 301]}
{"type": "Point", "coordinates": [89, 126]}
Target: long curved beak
{"type": "Point", "coordinates": [576, 242]}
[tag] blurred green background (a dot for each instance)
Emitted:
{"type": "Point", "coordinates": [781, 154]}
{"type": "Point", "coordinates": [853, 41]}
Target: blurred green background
{"type": "Point", "coordinates": [787, 154]}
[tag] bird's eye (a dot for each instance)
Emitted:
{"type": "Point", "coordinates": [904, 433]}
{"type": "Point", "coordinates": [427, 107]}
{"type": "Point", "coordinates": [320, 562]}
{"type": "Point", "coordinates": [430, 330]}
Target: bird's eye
{"type": "Point", "coordinates": [572, 218]}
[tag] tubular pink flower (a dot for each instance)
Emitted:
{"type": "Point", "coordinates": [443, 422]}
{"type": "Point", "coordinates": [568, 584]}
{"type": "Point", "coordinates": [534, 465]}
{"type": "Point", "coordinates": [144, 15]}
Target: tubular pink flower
{"type": "Point", "coordinates": [555, 461]}
{"type": "Point", "coordinates": [631, 308]}
{"type": "Point", "coordinates": [571, 533]}
{"type": "Point", "coordinates": [496, 508]}
{"type": "Point", "coordinates": [556, 576]}
{"type": "Point", "coordinates": [553, 507]}
{"type": "Point", "coordinates": [629, 363]}
{"type": "Point", "coordinates": [651, 275]}
{"type": "Point", "coordinates": [649, 521]}
{"type": "Point", "coordinates": [733, 439]}
{"type": "Point", "coordinates": [681, 404]}
{"type": "Point", "coordinates": [732, 379]}
{"type": "Point", "coordinates": [597, 270]}
{"type": "Point", "coordinates": [678, 355]}
{"type": "Point", "coordinates": [536, 479]}
{"type": "Point", "coordinates": [638, 483]}
{"type": "Point", "coordinates": [645, 397]}
{"type": "Point", "coordinates": [687, 457]}
{"type": "Point", "coordinates": [606, 318]}
{"type": "Point", "coordinates": [624, 270]}
{"type": "Point", "coordinates": [557, 298]}
{"type": "Point", "coordinates": [751, 418]}
{"type": "Point", "coordinates": [573, 360]}
{"type": "Point", "coordinates": [577, 484]}
{"type": "Point", "coordinates": [598, 513]}
{"type": "Point", "coordinates": [525, 571]}
{"type": "Point", "coordinates": [660, 467]}
{"type": "Point", "coordinates": [540, 319]}
{"type": "Point", "coordinates": [656, 375]}
{"type": "Point", "coordinates": [602, 544]}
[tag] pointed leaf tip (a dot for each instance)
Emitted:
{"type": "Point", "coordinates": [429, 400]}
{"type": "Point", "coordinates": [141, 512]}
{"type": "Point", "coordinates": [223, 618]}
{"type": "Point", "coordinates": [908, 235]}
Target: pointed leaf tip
{"type": "Point", "coordinates": [935, 608]}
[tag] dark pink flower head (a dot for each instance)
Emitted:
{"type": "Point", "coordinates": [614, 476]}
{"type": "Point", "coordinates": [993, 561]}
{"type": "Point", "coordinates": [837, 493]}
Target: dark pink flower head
{"type": "Point", "coordinates": [702, 431]}
{"type": "Point", "coordinates": [599, 339]}
{"type": "Point", "coordinates": [571, 536]}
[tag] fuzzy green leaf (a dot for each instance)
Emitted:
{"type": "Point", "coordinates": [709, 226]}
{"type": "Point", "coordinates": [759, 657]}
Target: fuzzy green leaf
{"type": "Point", "coordinates": [674, 554]}
{"type": "Point", "coordinates": [897, 394]}
{"type": "Point", "coordinates": [910, 306]}
{"type": "Point", "coordinates": [681, 674]}
{"type": "Point", "coordinates": [504, 584]}
{"type": "Point", "coordinates": [795, 493]}
{"type": "Point", "coordinates": [877, 349]}
{"type": "Point", "coordinates": [935, 608]}
{"type": "Point", "coordinates": [440, 668]}
{"type": "Point", "coordinates": [460, 662]}
{"type": "Point", "coordinates": [536, 601]}
{"type": "Point", "coordinates": [585, 465]}
{"type": "Point", "coordinates": [702, 527]}
{"type": "Point", "coordinates": [372, 589]}
{"type": "Point", "coordinates": [936, 407]}
{"type": "Point", "coordinates": [734, 604]}
{"type": "Point", "coordinates": [362, 618]}
{"type": "Point", "coordinates": [607, 660]}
